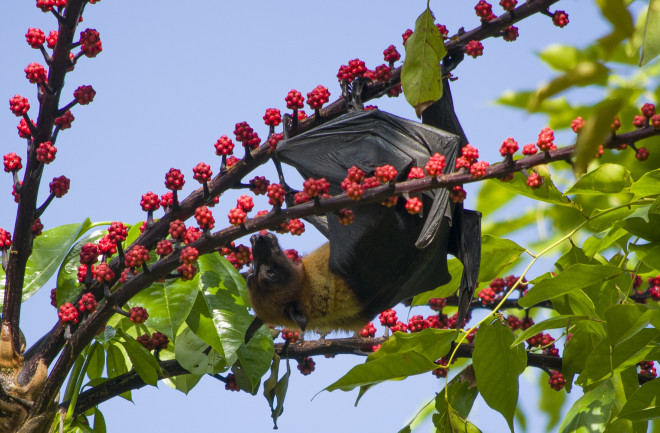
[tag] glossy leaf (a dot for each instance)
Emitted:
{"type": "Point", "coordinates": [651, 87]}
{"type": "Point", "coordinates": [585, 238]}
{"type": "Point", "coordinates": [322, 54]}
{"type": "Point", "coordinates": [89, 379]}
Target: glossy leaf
{"type": "Point", "coordinates": [455, 268]}
{"type": "Point", "coordinates": [647, 185]}
{"type": "Point", "coordinates": [651, 43]}
{"type": "Point", "coordinates": [420, 75]}
{"type": "Point", "coordinates": [547, 192]}
{"type": "Point", "coordinates": [48, 252]}
{"type": "Point", "coordinates": [604, 179]}
{"type": "Point", "coordinates": [497, 255]}
{"type": "Point", "coordinates": [144, 363]}
{"type": "Point", "coordinates": [644, 404]}
{"type": "Point", "coordinates": [575, 277]}
{"type": "Point", "coordinates": [602, 241]}
{"type": "Point", "coordinates": [551, 323]}
{"type": "Point", "coordinates": [116, 365]}
{"type": "Point", "coordinates": [648, 253]}
{"type": "Point", "coordinates": [560, 57]}
{"type": "Point", "coordinates": [430, 342]}
{"type": "Point", "coordinates": [591, 412]}
{"type": "Point", "coordinates": [194, 355]}
{"type": "Point", "coordinates": [497, 366]}
{"type": "Point", "coordinates": [461, 394]}
{"type": "Point", "coordinates": [184, 383]}
{"type": "Point", "coordinates": [615, 12]}
{"type": "Point", "coordinates": [168, 304]}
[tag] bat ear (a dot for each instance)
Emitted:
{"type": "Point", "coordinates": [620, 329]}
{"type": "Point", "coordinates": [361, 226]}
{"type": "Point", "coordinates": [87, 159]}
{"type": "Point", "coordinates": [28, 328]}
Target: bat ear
{"type": "Point", "coordinates": [297, 317]}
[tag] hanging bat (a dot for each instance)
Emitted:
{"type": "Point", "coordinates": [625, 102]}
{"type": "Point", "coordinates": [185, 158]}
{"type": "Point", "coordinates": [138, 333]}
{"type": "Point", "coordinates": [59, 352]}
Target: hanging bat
{"type": "Point", "coordinates": [386, 255]}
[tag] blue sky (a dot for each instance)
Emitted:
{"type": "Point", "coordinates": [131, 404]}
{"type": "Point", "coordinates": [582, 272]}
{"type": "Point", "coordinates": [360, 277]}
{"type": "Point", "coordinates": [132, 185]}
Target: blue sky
{"type": "Point", "coordinates": [175, 76]}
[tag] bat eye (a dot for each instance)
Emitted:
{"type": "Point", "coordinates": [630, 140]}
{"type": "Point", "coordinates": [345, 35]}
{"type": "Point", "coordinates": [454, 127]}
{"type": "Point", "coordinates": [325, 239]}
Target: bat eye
{"type": "Point", "coordinates": [271, 275]}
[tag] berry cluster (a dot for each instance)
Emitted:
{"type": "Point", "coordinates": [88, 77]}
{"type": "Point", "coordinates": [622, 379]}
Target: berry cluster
{"type": "Point", "coordinates": [189, 255]}
{"type": "Point", "coordinates": [390, 54]}
{"type": "Point", "coordinates": [577, 124]}
{"type": "Point", "coordinates": [87, 303]}
{"type": "Point", "coordinates": [187, 271]}
{"type": "Point", "coordinates": [306, 366]}
{"type": "Point", "coordinates": [356, 68]}
{"type": "Point", "coordinates": [534, 180]}
{"type": "Point", "coordinates": [68, 313]}
{"type": "Point", "coordinates": [317, 97]}
{"type": "Point", "coordinates": [413, 205]}
{"type": "Point", "coordinates": [273, 117]}
{"type": "Point", "coordinates": [316, 187]}
{"type": "Point", "coordinates": [5, 239]}
{"type": "Point", "coordinates": [346, 216]}
{"type": "Point", "coordinates": [290, 335]}
{"type": "Point", "coordinates": [457, 194]}
{"type": "Point", "coordinates": [84, 94]}
{"type": "Point", "coordinates": [275, 193]}
{"type": "Point", "coordinates": [556, 381]}
{"type": "Point", "coordinates": [296, 227]}
{"type": "Point", "coordinates": [276, 138]}
{"type": "Point", "coordinates": [509, 147]}
{"type": "Point", "coordinates": [59, 186]}
{"type": "Point", "coordinates": [149, 202]}
{"type": "Point", "coordinates": [12, 162]}
{"type": "Point", "coordinates": [90, 42]}
{"type": "Point", "coordinates": [137, 256]}
{"type": "Point", "coordinates": [407, 34]}
{"type": "Point", "coordinates": [294, 100]}
{"type": "Point", "coordinates": [293, 255]}
{"type": "Point", "coordinates": [65, 120]}
{"type": "Point", "coordinates": [484, 11]}
{"type": "Point", "coordinates": [388, 318]}
{"type": "Point", "coordinates": [36, 73]}
{"type": "Point", "coordinates": [89, 253]}
{"type": "Point", "coordinates": [202, 172]}
{"type": "Point", "coordinates": [368, 331]}
{"type": "Point", "coordinates": [546, 140]}
{"type": "Point", "coordinates": [474, 49]}
{"type": "Point", "coordinates": [647, 368]}
{"type": "Point", "coordinates": [204, 218]}
{"type": "Point", "coordinates": [246, 135]}
{"type": "Point", "coordinates": [158, 341]}
{"type": "Point", "coordinates": [224, 146]}
{"type": "Point", "coordinates": [46, 152]}
{"type": "Point", "coordinates": [435, 165]}
{"type": "Point", "coordinates": [104, 273]}
{"type": "Point", "coordinates": [560, 18]}
{"type": "Point", "coordinates": [138, 315]}
{"type": "Point", "coordinates": [441, 372]}
{"type": "Point", "coordinates": [19, 105]}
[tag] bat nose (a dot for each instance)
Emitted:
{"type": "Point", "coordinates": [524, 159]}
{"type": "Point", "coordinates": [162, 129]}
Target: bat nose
{"type": "Point", "coordinates": [258, 238]}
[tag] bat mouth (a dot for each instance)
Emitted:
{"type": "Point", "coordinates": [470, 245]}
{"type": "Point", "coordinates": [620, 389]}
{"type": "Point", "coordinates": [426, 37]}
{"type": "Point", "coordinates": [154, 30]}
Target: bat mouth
{"type": "Point", "coordinates": [264, 248]}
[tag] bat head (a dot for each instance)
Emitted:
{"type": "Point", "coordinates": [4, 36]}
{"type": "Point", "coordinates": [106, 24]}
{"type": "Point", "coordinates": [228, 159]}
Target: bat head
{"type": "Point", "coordinates": [275, 280]}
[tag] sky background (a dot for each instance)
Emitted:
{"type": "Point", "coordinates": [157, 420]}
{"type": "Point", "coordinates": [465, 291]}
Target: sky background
{"type": "Point", "coordinates": [175, 76]}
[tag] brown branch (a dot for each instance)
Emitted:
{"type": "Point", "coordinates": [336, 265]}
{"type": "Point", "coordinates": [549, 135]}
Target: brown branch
{"type": "Point", "coordinates": [22, 244]}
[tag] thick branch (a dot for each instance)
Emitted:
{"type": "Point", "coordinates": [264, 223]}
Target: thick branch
{"type": "Point", "coordinates": [22, 244]}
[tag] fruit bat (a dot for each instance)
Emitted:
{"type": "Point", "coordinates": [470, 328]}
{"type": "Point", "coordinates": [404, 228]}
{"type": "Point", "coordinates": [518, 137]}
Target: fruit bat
{"type": "Point", "coordinates": [386, 255]}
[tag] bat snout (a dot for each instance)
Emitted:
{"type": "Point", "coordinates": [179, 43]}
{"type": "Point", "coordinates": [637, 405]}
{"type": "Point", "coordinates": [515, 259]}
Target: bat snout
{"type": "Point", "coordinates": [264, 247]}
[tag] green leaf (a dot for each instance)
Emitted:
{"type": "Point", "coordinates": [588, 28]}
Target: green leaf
{"type": "Point", "coordinates": [256, 356]}
{"type": "Point", "coordinates": [624, 320]}
{"type": "Point", "coordinates": [48, 251]}
{"type": "Point", "coordinates": [615, 12]}
{"type": "Point", "coordinates": [595, 131]}
{"type": "Point", "coordinates": [648, 253]}
{"type": "Point", "coordinates": [560, 57]}
{"type": "Point", "coordinates": [194, 355]}
{"type": "Point", "coordinates": [433, 343]}
{"type": "Point", "coordinates": [550, 402]}
{"type": "Point", "coordinates": [552, 323]}
{"type": "Point", "coordinates": [496, 256]}
{"type": "Point", "coordinates": [547, 192]}
{"type": "Point", "coordinates": [575, 277]}
{"type": "Point", "coordinates": [607, 220]}
{"type": "Point", "coordinates": [184, 383]}
{"type": "Point", "coordinates": [651, 42]}
{"type": "Point", "coordinates": [644, 229]}
{"type": "Point", "coordinates": [275, 389]}
{"type": "Point", "coordinates": [644, 404]}
{"type": "Point", "coordinates": [144, 362]}
{"type": "Point", "coordinates": [168, 304]}
{"type": "Point", "coordinates": [461, 394]}
{"type": "Point", "coordinates": [509, 225]}
{"type": "Point", "coordinates": [576, 352]}
{"type": "Point", "coordinates": [604, 240]}
{"type": "Point", "coordinates": [67, 277]}
{"type": "Point", "coordinates": [96, 363]}
{"type": "Point", "coordinates": [221, 286]}
{"type": "Point", "coordinates": [455, 268]}
{"type": "Point", "coordinates": [604, 179]}
{"type": "Point", "coordinates": [395, 366]}
{"type": "Point", "coordinates": [116, 366]}
{"type": "Point", "coordinates": [585, 73]}
{"type": "Point", "coordinates": [492, 196]}
{"type": "Point", "coordinates": [497, 366]}
{"type": "Point", "coordinates": [420, 75]}
{"type": "Point", "coordinates": [647, 185]}
{"type": "Point", "coordinates": [591, 412]}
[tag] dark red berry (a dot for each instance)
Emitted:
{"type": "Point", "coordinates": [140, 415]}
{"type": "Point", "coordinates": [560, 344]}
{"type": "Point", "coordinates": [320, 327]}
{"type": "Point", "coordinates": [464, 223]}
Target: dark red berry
{"type": "Point", "coordinates": [84, 94]}
{"type": "Point", "coordinates": [19, 105]}
{"type": "Point", "coordinates": [137, 256]}
{"type": "Point", "coordinates": [560, 18]}
{"type": "Point", "coordinates": [474, 49]}
{"type": "Point", "coordinates": [68, 313]}
{"type": "Point", "coordinates": [12, 162]}
{"type": "Point", "coordinates": [90, 42]}
{"type": "Point", "coordinates": [46, 152]}
{"type": "Point", "coordinates": [59, 186]}
{"type": "Point", "coordinates": [138, 315]}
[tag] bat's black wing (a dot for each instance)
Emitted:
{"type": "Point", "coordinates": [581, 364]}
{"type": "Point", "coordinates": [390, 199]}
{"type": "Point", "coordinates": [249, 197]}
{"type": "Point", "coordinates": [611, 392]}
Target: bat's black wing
{"type": "Point", "coordinates": [378, 252]}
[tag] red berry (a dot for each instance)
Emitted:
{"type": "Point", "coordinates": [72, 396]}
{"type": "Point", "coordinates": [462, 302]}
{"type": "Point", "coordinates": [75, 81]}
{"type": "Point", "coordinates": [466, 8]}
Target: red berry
{"type": "Point", "coordinates": [642, 154]}
{"type": "Point", "coordinates": [437, 304]}
{"type": "Point", "coordinates": [35, 73]}
{"type": "Point", "coordinates": [137, 256]}
{"type": "Point", "coordinates": [390, 54]}
{"type": "Point", "coordinates": [296, 227]}
{"type": "Point", "coordinates": [529, 149]}
{"type": "Point", "coordinates": [84, 94]}
{"type": "Point", "coordinates": [435, 165]}
{"type": "Point", "coordinates": [145, 341]}
{"type": "Point", "coordinates": [510, 33]}
{"type": "Point", "coordinates": [655, 121]}
{"type": "Point", "coordinates": [276, 138]}
{"type": "Point", "coordinates": [19, 105]}
{"type": "Point", "coordinates": [24, 129]}
{"type": "Point", "coordinates": [648, 110]}
{"type": "Point", "coordinates": [639, 121]}
{"type": "Point", "coordinates": [138, 315]}
{"type": "Point", "coordinates": [236, 216]}
{"type": "Point", "coordinates": [35, 37]}
{"type": "Point", "coordinates": [441, 371]}
{"type": "Point", "coordinates": [534, 180]}
{"type": "Point", "coordinates": [204, 218]}
{"type": "Point", "coordinates": [508, 5]}
{"type": "Point", "coordinates": [59, 186]}
{"type": "Point", "coordinates": [202, 172]}
{"type": "Point", "coordinates": [546, 139]}
{"type": "Point", "coordinates": [259, 185]}
{"type": "Point", "coordinates": [106, 246]}
{"type": "Point", "coordinates": [370, 107]}
{"type": "Point", "coordinates": [408, 33]}
{"type": "Point", "coordinates": [416, 173]}
{"type": "Point", "coordinates": [317, 97]}
{"type": "Point", "coordinates": [191, 235]}
{"type": "Point", "coordinates": [306, 366]}
{"type": "Point", "coordinates": [417, 323]}
{"type": "Point", "coordinates": [51, 40]}
{"type": "Point", "coordinates": [90, 42]}
{"type": "Point", "coordinates": [46, 152]}
{"type": "Point", "coordinates": [509, 147]}
{"type": "Point", "coordinates": [187, 272]}
{"type": "Point", "coordinates": [174, 179]}
{"type": "Point", "coordinates": [560, 18]}
{"type": "Point", "coordinates": [293, 255]}
{"type": "Point", "coordinates": [149, 202]}
{"type": "Point", "coordinates": [5, 239]}
{"type": "Point", "coordinates": [159, 340]}
{"type": "Point", "coordinates": [65, 120]}
{"type": "Point", "coordinates": [487, 296]}
{"type": "Point", "coordinates": [245, 202]}
{"type": "Point", "coordinates": [164, 248]}
{"type": "Point", "coordinates": [275, 194]}
{"type": "Point", "coordinates": [89, 253]}
{"type": "Point", "coordinates": [37, 227]}
{"type": "Point", "coordinates": [478, 169]}
{"type": "Point", "coordinates": [388, 318]}
{"type": "Point", "coordinates": [458, 194]}
{"type": "Point", "coordinates": [294, 100]}
{"type": "Point", "coordinates": [224, 146]}
{"type": "Point", "coordinates": [382, 73]}
{"type": "Point", "coordinates": [474, 49]}
{"type": "Point", "coordinates": [414, 205]}
{"type": "Point", "coordinates": [273, 117]}
{"type": "Point", "coordinates": [368, 331]}
{"type": "Point", "coordinates": [316, 187]}
{"type": "Point", "coordinates": [87, 303]}
{"type": "Point", "coordinates": [385, 173]}
{"type": "Point", "coordinates": [68, 313]}
{"type": "Point", "coordinates": [577, 124]}
{"type": "Point", "coordinates": [557, 381]}
{"type": "Point", "coordinates": [346, 216]}
{"type": "Point", "coordinates": [290, 335]}
{"type": "Point", "coordinates": [395, 91]}
{"type": "Point", "coordinates": [117, 231]}
{"type": "Point", "coordinates": [443, 30]}
{"type": "Point", "coordinates": [483, 10]}
{"type": "Point", "coordinates": [353, 190]}
{"type": "Point", "coordinates": [470, 153]}
{"type": "Point", "coordinates": [189, 255]}
{"type": "Point", "coordinates": [12, 162]}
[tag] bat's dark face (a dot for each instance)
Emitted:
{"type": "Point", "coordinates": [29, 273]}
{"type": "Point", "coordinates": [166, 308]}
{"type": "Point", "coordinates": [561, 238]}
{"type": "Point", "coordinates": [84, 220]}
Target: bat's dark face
{"type": "Point", "coordinates": [273, 274]}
